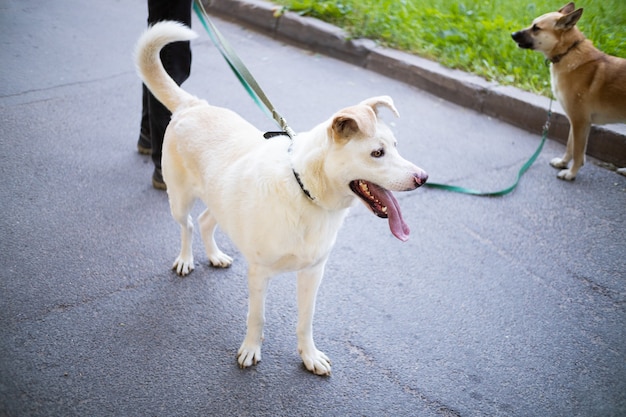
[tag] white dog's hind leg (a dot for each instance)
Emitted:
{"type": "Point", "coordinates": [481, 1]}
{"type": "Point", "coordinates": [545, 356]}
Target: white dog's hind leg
{"type": "Point", "coordinates": [207, 229]}
{"type": "Point", "coordinates": [180, 205]}
{"type": "Point", "coordinates": [308, 283]}
{"type": "Point", "coordinates": [250, 351]}
{"type": "Point", "coordinates": [184, 262]}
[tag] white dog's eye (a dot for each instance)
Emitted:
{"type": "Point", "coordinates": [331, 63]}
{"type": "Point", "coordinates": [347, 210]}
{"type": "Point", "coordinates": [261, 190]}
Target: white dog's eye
{"type": "Point", "coordinates": [536, 28]}
{"type": "Point", "coordinates": [378, 153]}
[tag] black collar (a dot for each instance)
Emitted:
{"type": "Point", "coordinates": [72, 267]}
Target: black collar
{"type": "Point", "coordinates": [304, 190]}
{"type": "Point", "coordinates": [557, 58]}
{"type": "Point", "coordinates": [269, 135]}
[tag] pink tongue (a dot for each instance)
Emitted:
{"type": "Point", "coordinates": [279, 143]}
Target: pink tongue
{"type": "Point", "coordinates": [396, 224]}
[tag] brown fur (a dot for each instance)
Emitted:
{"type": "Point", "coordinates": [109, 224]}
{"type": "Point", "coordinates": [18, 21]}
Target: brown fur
{"type": "Point", "coordinates": [589, 84]}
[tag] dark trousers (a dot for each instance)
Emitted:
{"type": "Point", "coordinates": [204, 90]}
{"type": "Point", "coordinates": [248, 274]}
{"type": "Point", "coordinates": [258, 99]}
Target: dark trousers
{"type": "Point", "coordinates": [176, 58]}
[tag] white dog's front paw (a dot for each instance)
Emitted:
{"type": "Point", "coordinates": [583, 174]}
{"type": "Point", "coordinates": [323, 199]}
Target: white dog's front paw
{"type": "Point", "coordinates": [249, 354]}
{"type": "Point", "coordinates": [566, 175]}
{"type": "Point", "coordinates": [220, 260]}
{"type": "Point", "coordinates": [183, 266]}
{"type": "Point", "coordinates": [558, 163]}
{"type": "Point", "coordinates": [621, 171]}
{"type": "Point", "coordinates": [315, 361]}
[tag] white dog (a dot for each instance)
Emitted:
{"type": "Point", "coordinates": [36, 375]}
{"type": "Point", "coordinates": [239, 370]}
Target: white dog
{"type": "Point", "coordinates": [280, 201]}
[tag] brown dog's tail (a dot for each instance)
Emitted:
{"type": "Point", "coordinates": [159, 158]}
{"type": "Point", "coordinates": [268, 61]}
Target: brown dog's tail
{"type": "Point", "coordinates": [150, 68]}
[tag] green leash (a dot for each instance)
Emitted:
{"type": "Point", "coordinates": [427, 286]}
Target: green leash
{"type": "Point", "coordinates": [241, 71]}
{"type": "Point", "coordinates": [254, 90]}
{"type": "Point", "coordinates": [523, 169]}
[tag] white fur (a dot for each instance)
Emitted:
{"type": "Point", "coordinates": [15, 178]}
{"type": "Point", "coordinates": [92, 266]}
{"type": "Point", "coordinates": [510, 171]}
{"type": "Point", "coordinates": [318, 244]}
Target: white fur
{"type": "Point", "coordinates": [250, 191]}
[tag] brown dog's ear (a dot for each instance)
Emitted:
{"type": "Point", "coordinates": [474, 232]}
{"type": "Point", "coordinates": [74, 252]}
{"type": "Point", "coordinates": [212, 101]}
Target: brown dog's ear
{"type": "Point", "coordinates": [353, 121]}
{"type": "Point", "coordinates": [569, 20]}
{"type": "Point", "coordinates": [568, 8]}
{"type": "Point", "coordinates": [385, 101]}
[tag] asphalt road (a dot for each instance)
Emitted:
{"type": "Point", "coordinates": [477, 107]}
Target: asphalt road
{"type": "Point", "coordinates": [512, 306]}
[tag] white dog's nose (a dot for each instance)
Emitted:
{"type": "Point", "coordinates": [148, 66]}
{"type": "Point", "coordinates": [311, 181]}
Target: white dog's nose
{"type": "Point", "coordinates": [420, 177]}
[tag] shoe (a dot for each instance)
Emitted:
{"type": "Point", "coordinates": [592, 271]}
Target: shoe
{"type": "Point", "coordinates": [157, 180]}
{"type": "Point", "coordinates": [144, 144]}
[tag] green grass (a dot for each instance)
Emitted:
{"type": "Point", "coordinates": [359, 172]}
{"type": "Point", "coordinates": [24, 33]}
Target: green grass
{"type": "Point", "coordinates": [472, 35]}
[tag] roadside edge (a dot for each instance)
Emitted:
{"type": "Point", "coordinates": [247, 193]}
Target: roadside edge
{"type": "Point", "coordinates": [509, 104]}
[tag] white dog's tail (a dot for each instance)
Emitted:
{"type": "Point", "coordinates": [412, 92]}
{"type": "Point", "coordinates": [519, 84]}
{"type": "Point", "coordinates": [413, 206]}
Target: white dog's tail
{"type": "Point", "coordinates": [149, 65]}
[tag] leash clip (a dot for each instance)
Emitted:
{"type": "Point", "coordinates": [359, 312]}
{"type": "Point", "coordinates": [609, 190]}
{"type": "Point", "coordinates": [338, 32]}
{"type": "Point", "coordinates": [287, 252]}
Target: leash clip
{"type": "Point", "coordinates": [546, 126]}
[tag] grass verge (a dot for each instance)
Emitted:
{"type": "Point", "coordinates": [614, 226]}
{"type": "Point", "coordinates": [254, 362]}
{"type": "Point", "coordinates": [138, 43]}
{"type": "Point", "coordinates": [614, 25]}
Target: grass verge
{"type": "Point", "coordinates": [473, 35]}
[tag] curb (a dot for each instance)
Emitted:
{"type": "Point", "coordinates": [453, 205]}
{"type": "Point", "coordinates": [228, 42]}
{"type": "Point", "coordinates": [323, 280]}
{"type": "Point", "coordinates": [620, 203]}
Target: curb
{"type": "Point", "coordinates": [509, 104]}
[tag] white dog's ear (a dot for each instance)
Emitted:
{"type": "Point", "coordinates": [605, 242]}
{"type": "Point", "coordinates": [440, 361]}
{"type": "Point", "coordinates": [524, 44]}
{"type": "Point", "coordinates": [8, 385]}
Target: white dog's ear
{"type": "Point", "coordinates": [353, 121]}
{"type": "Point", "coordinates": [385, 101]}
{"type": "Point", "coordinates": [569, 20]}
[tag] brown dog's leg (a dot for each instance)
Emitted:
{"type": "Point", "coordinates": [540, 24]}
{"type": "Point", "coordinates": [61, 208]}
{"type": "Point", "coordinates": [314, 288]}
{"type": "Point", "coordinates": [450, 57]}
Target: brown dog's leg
{"type": "Point", "coordinates": [576, 147]}
{"type": "Point", "coordinates": [561, 163]}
